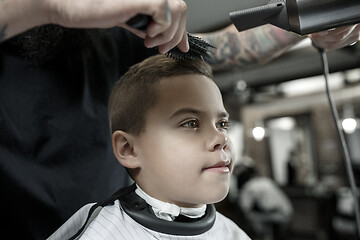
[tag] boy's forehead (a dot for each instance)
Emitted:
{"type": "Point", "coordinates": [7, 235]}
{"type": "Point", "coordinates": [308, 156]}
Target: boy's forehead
{"type": "Point", "coordinates": [187, 83]}
{"type": "Point", "coordinates": [189, 90]}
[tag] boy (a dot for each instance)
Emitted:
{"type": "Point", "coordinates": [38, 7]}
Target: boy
{"type": "Point", "coordinates": [168, 125]}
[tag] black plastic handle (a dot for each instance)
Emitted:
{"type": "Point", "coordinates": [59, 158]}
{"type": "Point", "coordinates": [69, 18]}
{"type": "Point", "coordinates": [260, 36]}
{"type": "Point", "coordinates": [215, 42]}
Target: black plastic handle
{"type": "Point", "coordinates": [139, 22]}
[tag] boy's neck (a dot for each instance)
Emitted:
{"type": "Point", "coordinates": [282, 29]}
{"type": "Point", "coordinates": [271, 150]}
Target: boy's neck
{"type": "Point", "coordinates": [169, 211]}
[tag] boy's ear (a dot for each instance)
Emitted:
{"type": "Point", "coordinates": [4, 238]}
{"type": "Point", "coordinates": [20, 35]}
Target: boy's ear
{"type": "Point", "coordinates": [123, 148]}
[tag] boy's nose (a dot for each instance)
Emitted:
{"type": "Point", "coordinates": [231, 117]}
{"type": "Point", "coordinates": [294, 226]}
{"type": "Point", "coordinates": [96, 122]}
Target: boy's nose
{"type": "Point", "coordinates": [218, 142]}
{"type": "Point", "coordinates": [220, 146]}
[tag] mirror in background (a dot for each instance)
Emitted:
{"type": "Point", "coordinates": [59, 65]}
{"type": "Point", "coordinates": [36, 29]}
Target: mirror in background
{"type": "Point", "coordinates": [290, 140]}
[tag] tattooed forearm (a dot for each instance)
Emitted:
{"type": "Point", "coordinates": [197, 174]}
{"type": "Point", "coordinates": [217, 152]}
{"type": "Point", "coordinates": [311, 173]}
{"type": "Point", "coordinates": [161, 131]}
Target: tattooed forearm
{"type": "Point", "coordinates": [2, 32]}
{"type": "Point", "coordinates": [230, 50]}
{"type": "Point", "coordinates": [250, 47]}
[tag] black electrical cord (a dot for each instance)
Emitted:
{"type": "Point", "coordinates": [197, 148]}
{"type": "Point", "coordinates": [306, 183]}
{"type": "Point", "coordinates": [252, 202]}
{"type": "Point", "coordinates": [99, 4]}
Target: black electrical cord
{"type": "Point", "coordinates": [348, 165]}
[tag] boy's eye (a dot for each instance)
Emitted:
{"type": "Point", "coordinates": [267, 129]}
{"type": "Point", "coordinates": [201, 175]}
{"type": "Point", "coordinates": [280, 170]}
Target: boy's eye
{"type": "Point", "coordinates": [191, 124]}
{"type": "Point", "coordinates": [223, 124]}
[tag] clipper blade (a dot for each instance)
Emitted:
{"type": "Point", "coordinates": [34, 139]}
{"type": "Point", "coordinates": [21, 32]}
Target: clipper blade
{"type": "Point", "coordinates": [199, 49]}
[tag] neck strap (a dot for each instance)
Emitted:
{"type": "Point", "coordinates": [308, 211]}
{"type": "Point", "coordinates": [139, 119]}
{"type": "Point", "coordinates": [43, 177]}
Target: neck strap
{"type": "Point", "coordinates": [141, 212]}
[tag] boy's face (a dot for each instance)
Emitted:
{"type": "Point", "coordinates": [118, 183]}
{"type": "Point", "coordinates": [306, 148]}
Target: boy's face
{"type": "Point", "coordinates": [184, 152]}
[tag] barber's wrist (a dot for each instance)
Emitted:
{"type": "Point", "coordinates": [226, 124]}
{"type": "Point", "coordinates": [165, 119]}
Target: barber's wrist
{"type": "Point", "coordinates": [286, 37]}
{"type": "Point", "coordinates": [17, 16]}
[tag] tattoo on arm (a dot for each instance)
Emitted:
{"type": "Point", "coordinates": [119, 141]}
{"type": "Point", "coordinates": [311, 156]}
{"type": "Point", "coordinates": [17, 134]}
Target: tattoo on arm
{"type": "Point", "coordinates": [231, 50]}
{"type": "Point", "coordinates": [2, 32]}
{"type": "Point", "coordinates": [250, 47]}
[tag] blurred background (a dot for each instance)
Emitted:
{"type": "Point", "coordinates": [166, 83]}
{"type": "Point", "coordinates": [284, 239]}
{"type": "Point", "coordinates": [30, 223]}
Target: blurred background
{"type": "Point", "coordinates": [289, 180]}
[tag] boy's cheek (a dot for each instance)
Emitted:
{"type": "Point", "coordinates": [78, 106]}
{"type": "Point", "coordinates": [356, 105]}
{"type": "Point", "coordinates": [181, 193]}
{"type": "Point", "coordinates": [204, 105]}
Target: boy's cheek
{"type": "Point", "coordinates": [231, 149]}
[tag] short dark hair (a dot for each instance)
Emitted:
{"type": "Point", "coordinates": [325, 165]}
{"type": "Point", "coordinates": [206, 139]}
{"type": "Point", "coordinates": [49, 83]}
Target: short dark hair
{"type": "Point", "coordinates": [135, 92]}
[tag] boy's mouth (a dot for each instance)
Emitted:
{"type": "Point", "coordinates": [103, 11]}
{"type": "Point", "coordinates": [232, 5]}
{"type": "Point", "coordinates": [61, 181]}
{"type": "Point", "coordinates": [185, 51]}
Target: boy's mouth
{"type": "Point", "coordinates": [222, 166]}
{"type": "Point", "coordinates": [219, 167]}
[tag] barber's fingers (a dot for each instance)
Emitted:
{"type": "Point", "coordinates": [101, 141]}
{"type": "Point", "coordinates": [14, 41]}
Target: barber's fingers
{"type": "Point", "coordinates": [183, 44]}
{"type": "Point", "coordinates": [336, 38]}
{"type": "Point", "coordinates": [110, 13]}
{"type": "Point", "coordinates": [161, 20]}
{"type": "Point", "coordinates": [171, 15]}
{"type": "Point", "coordinates": [180, 39]}
{"type": "Point", "coordinates": [173, 35]}
{"type": "Point", "coordinates": [337, 34]}
{"type": "Point", "coordinates": [166, 29]}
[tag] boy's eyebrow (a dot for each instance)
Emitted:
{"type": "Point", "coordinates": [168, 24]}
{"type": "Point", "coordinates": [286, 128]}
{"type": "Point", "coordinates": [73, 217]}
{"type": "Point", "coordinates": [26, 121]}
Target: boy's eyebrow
{"type": "Point", "coordinates": [196, 112]}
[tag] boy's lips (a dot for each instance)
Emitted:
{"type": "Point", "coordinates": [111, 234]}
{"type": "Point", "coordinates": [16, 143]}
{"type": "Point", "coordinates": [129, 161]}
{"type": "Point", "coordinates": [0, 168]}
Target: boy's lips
{"type": "Point", "coordinates": [221, 166]}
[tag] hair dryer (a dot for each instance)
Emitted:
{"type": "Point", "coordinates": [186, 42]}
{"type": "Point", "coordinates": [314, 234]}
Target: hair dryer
{"type": "Point", "coordinates": [299, 16]}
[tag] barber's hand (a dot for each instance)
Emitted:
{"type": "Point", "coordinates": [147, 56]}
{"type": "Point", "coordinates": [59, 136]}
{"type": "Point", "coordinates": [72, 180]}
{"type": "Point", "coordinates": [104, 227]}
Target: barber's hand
{"type": "Point", "coordinates": [166, 31]}
{"type": "Point", "coordinates": [336, 38]}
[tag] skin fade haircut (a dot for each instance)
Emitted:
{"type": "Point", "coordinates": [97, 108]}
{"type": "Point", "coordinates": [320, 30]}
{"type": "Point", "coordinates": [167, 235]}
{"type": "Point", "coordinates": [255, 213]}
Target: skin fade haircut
{"type": "Point", "coordinates": [136, 91]}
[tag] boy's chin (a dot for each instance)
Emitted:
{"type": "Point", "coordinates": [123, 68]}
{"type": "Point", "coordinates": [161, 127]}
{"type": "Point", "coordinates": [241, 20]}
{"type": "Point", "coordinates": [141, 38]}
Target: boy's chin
{"type": "Point", "coordinates": [217, 195]}
{"type": "Point", "coordinates": [219, 198]}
